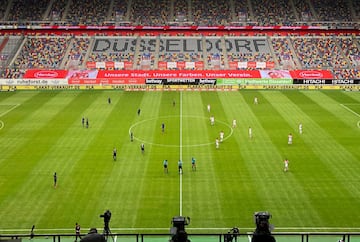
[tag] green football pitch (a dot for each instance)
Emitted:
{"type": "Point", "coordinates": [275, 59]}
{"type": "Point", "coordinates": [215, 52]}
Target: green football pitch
{"type": "Point", "coordinates": [41, 132]}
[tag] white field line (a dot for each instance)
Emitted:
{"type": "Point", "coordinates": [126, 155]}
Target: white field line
{"type": "Point", "coordinates": [8, 111]}
{"type": "Point", "coordinates": [277, 229]}
{"type": "Point", "coordinates": [180, 153]}
{"type": "Point", "coordinates": [350, 110]}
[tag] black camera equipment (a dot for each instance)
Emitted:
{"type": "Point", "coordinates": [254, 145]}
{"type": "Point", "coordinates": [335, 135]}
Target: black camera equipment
{"type": "Point", "coordinates": [93, 236]}
{"type": "Point", "coordinates": [32, 232]}
{"type": "Point", "coordinates": [231, 235]}
{"type": "Point", "coordinates": [262, 232]}
{"type": "Point", "coordinates": [262, 222]}
{"type": "Point", "coordinates": [107, 217]}
{"type": "Point", "coordinates": [177, 232]}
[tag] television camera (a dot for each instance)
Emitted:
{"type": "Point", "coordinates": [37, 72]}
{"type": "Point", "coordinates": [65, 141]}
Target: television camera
{"type": "Point", "coordinates": [177, 231]}
{"type": "Point", "coordinates": [263, 228]}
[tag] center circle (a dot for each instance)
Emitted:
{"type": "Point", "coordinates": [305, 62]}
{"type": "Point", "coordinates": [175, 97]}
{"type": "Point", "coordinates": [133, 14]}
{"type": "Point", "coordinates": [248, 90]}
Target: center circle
{"type": "Point", "coordinates": [190, 131]}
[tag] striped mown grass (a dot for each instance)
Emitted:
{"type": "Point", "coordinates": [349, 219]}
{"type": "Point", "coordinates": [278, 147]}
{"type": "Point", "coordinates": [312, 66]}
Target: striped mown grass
{"type": "Point", "coordinates": [41, 133]}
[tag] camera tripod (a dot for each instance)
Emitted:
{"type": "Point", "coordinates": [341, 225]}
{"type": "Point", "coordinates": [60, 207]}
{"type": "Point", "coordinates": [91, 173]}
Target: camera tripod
{"type": "Point", "coordinates": [107, 232]}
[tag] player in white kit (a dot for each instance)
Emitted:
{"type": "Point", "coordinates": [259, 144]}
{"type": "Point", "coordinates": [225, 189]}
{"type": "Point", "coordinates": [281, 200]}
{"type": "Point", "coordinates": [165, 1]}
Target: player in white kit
{"type": "Point", "coordinates": [221, 136]}
{"type": "Point", "coordinates": [217, 143]}
{"type": "Point", "coordinates": [290, 139]}
{"type": "Point", "coordinates": [286, 164]}
{"type": "Point", "coordinates": [212, 120]}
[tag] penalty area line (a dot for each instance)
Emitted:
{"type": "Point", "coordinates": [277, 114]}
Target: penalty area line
{"type": "Point", "coordinates": [350, 110]}
{"type": "Point", "coordinates": [9, 110]}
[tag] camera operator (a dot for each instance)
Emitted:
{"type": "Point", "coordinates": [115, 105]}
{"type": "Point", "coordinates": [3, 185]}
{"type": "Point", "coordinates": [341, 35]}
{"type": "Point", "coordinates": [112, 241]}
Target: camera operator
{"type": "Point", "coordinates": [93, 236]}
{"type": "Point", "coordinates": [262, 232]}
{"type": "Point", "coordinates": [180, 236]}
{"type": "Point", "coordinates": [262, 238]}
{"type": "Point", "coordinates": [107, 217]}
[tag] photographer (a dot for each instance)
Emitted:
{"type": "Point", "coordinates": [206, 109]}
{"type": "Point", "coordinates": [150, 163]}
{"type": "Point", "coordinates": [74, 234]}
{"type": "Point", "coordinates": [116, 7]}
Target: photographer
{"type": "Point", "coordinates": [231, 235]}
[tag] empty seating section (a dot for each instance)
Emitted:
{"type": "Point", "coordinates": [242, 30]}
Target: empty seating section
{"type": "Point", "coordinates": [77, 52]}
{"type": "Point", "coordinates": [215, 52]}
{"type": "Point", "coordinates": [42, 52]}
{"type": "Point", "coordinates": [119, 10]}
{"type": "Point", "coordinates": [241, 7]}
{"type": "Point", "coordinates": [57, 10]}
{"type": "Point", "coordinates": [31, 10]}
{"type": "Point", "coordinates": [303, 11]}
{"type": "Point", "coordinates": [147, 51]}
{"type": "Point", "coordinates": [356, 7]}
{"type": "Point", "coordinates": [248, 49]}
{"type": "Point", "coordinates": [210, 13]}
{"type": "Point", "coordinates": [329, 10]}
{"type": "Point", "coordinates": [88, 12]}
{"type": "Point", "coordinates": [351, 50]}
{"type": "Point", "coordinates": [340, 54]}
{"type": "Point", "coordinates": [113, 49]}
{"type": "Point", "coordinates": [150, 12]}
{"type": "Point", "coordinates": [9, 46]}
{"type": "Point", "coordinates": [3, 7]}
{"type": "Point", "coordinates": [283, 52]}
{"type": "Point", "coordinates": [180, 49]}
{"type": "Point", "coordinates": [181, 8]}
{"type": "Point", "coordinates": [276, 12]}
{"type": "Point", "coordinates": [319, 52]}
{"type": "Point", "coordinates": [198, 12]}
{"type": "Point", "coordinates": [347, 73]}
{"type": "Point", "coordinates": [189, 49]}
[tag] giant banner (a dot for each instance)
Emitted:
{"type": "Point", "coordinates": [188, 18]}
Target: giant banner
{"type": "Point", "coordinates": [201, 74]}
{"type": "Point", "coordinates": [178, 77]}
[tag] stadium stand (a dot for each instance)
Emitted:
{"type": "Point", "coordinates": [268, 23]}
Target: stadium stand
{"type": "Point", "coordinates": [327, 10]}
{"type": "Point", "coordinates": [154, 13]}
{"type": "Point", "coordinates": [88, 12]}
{"type": "Point", "coordinates": [118, 10]}
{"type": "Point", "coordinates": [276, 12]}
{"type": "Point", "coordinates": [211, 13]}
{"type": "Point", "coordinates": [57, 12]}
{"type": "Point", "coordinates": [77, 52]}
{"type": "Point", "coordinates": [283, 52]}
{"type": "Point", "coordinates": [32, 10]}
{"type": "Point", "coordinates": [41, 52]}
{"type": "Point", "coordinates": [333, 46]}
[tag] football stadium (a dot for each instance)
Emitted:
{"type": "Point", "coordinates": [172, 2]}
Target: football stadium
{"type": "Point", "coordinates": [170, 120]}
